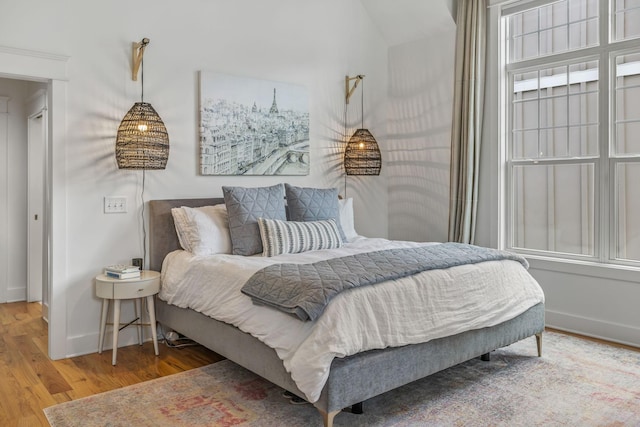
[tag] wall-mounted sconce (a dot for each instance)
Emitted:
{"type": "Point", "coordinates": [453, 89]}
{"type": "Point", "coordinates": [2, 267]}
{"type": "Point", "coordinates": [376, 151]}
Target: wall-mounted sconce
{"type": "Point", "coordinates": [362, 155]}
{"type": "Point", "coordinates": [142, 141]}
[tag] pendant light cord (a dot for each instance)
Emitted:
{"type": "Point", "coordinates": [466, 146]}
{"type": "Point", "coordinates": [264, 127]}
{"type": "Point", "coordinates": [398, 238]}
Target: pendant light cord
{"type": "Point", "coordinates": [142, 79]}
{"type": "Point", "coordinates": [362, 104]}
{"type": "Point", "coordinates": [144, 228]}
{"type": "Point", "coordinates": [344, 137]}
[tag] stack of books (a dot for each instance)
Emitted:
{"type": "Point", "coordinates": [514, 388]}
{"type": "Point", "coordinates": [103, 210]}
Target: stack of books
{"type": "Point", "coordinates": [122, 271]}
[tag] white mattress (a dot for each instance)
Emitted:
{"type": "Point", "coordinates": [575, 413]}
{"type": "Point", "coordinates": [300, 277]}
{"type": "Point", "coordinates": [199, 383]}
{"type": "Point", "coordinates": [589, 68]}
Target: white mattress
{"type": "Point", "coordinates": [431, 305]}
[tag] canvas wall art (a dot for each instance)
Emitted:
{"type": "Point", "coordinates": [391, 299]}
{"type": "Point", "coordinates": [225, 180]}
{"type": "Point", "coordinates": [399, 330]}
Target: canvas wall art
{"type": "Point", "coordinates": [252, 127]}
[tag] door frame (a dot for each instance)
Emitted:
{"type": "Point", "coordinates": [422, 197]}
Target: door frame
{"type": "Point", "coordinates": [51, 69]}
{"type": "Point", "coordinates": [4, 183]}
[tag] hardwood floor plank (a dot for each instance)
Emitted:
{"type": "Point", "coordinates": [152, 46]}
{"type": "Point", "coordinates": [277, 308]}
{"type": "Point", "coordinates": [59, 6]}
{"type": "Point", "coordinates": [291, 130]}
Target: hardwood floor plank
{"type": "Point", "coordinates": [33, 421]}
{"type": "Point", "coordinates": [9, 405]}
{"type": "Point", "coordinates": [38, 397]}
{"type": "Point", "coordinates": [21, 370]}
{"type": "Point", "coordinates": [37, 366]}
{"type": "Point", "coordinates": [48, 374]}
{"type": "Point", "coordinates": [41, 341]}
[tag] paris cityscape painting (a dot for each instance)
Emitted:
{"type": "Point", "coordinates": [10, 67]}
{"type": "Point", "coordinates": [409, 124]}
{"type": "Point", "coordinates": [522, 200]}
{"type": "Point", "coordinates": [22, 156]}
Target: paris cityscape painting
{"type": "Point", "coordinates": [252, 126]}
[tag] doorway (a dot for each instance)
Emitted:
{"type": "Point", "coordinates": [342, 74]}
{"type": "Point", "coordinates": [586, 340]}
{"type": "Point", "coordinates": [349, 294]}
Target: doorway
{"type": "Point", "coordinates": [50, 69]}
{"type": "Point", "coordinates": [23, 138]}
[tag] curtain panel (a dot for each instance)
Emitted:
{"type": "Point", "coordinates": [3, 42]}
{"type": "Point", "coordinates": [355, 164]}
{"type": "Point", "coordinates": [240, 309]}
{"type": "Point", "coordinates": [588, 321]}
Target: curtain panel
{"type": "Point", "coordinates": [467, 119]}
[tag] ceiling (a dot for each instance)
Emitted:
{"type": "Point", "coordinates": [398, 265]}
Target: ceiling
{"type": "Point", "coordinates": [403, 21]}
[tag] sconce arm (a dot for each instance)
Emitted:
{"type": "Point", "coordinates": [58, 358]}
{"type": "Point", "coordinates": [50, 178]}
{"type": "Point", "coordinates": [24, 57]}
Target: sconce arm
{"type": "Point", "coordinates": [137, 51]}
{"type": "Point", "coordinates": [347, 89]}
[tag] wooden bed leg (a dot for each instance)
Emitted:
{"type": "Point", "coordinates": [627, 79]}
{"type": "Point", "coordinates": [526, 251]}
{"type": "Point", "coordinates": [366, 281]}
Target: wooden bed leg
{"type": "Point", "coordinates": [327, 417]}
{"type": "Point", "coordinates": [539, 343]}
{"type": "Point", "coordinates": [486, 357]}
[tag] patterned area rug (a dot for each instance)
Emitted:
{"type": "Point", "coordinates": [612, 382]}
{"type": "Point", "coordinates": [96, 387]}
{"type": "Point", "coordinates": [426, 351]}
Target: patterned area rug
{"type": "Point", "coordinates": [575, 383]}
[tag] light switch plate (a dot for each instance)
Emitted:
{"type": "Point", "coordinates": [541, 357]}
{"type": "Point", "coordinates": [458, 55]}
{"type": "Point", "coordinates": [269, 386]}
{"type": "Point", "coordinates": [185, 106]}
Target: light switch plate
{"type": "Point", "coordinates": [115, 204]}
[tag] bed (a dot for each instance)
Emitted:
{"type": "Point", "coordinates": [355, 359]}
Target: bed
{"type": "Point", "coordinates": [351, 380]}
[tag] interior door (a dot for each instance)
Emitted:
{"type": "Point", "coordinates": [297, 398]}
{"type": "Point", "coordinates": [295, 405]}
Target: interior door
{"type": "Point", "coordinates": [37, 138]}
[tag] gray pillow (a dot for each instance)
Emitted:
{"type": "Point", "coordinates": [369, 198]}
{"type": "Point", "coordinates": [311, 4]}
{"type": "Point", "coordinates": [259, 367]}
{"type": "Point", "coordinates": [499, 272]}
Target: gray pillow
{"type": "Point", "coordinates": [245, 206]}
{"type": "Point", "coordinates": [313, 204]}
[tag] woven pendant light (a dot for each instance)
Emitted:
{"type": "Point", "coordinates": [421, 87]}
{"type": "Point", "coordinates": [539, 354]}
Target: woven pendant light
{"type": "Point", "coordinates": [142, 141]}
{"type": "Point", "coordinates": [362, 155]}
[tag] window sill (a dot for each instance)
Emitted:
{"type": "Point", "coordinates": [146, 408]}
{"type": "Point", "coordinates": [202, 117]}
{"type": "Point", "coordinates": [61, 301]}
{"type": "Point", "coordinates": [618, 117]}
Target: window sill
{"type": "Point", "coordinates": [585, 268]}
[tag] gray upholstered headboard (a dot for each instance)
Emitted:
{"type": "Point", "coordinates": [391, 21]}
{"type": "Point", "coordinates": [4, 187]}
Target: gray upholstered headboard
{"type": "Point", "coordinates": [162, 232]}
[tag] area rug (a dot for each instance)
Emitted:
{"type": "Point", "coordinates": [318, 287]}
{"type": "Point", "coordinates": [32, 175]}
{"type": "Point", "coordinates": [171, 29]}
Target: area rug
{"type": "Point", "coordinates": [575, 383]}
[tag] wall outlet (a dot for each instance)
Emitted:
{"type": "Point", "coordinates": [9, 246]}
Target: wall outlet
{"type": "Point", "coordinates": [115, 204]}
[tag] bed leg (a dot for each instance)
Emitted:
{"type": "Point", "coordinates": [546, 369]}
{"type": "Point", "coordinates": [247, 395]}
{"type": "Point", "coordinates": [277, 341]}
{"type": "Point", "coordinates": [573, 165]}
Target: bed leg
{"type": "Point", "coordinates": [539, 343]}
{"type": "Point", "coordinates": [357, 408]}
{"type": "Point", "coordinates": [486, 357]}
{"type": "Point", "coordinates": [327, 417]}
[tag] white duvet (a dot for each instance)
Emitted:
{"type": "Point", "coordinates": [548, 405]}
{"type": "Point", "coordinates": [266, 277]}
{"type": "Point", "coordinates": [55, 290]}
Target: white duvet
{"type": "Point", "coordinates": [432, 304]}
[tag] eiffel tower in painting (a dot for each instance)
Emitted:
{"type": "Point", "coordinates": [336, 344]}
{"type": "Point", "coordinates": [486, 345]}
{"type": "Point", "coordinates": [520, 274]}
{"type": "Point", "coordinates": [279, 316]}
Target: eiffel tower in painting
{"type": "Point", "coordinates": [274, 106]}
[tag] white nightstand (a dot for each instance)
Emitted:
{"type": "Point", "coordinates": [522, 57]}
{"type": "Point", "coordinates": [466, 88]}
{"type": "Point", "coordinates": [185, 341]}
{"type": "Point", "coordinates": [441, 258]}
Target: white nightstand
{"type": "Point", "coordinates": [145, 286]}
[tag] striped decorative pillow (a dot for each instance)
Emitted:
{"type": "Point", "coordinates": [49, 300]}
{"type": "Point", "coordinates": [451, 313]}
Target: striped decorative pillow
{"type": "Point", "coordinates": [292, 237]}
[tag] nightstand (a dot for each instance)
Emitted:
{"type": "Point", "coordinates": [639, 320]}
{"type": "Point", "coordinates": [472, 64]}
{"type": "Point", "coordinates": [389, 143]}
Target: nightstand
{"type": "Point", "coordinates": [145, 286]}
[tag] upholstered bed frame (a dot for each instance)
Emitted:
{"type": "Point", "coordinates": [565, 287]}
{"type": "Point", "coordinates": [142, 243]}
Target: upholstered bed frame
{"type": "Point", "coordinates": [353, 379]}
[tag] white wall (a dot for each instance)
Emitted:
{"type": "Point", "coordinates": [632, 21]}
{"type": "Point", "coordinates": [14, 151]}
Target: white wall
{"type": "Point", "coordinates": [14, 278]}
{"type": "Point", "coordinates": [419, 133]}
{"type": "Point", "coordinates": [314, 44]}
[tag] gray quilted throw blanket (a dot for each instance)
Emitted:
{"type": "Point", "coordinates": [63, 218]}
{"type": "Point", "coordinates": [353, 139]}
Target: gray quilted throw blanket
{"type": "Point", "coordinates": [304, 290]}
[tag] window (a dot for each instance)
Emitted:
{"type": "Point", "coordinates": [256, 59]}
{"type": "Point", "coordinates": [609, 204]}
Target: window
{"type": "Point", "coordinates": [572, 140]}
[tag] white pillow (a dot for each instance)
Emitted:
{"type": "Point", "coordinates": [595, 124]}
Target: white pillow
{"type": "Point", "coordinates": [184, 229]}
{"type": "Point", "coordinates": [210, 225]}
{"type": "Point", "coordinates": [292, 237]}
{"type": "Point", "coordinates": [346, 218]}
{"type": "Point", "coordinates": [209, 231]}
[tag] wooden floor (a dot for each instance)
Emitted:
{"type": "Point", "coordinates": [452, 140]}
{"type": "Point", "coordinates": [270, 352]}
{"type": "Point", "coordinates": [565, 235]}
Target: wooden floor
{"type": "Point", "coordinates": [30, 381]}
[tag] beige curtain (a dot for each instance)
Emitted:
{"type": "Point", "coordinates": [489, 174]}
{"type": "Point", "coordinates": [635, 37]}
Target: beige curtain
{"type": "Point", "coordinates": [467, 119]}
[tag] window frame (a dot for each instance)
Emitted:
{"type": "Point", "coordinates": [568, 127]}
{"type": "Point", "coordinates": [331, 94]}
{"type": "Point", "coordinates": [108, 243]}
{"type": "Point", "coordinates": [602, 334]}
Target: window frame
{"type": "Point", "coordinates": [605, 233]}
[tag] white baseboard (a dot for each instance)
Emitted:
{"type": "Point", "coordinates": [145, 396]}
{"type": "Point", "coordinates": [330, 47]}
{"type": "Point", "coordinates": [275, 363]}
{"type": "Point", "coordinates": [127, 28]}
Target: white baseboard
{"type": "Point", "coordinates": [87, 344]}
{"type": "Point", "coordinates": [609, 331]}
{"type": "Point", "coordinates": [16, 294]}
{"type": "Point", "coordinates": [45, 312]}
